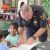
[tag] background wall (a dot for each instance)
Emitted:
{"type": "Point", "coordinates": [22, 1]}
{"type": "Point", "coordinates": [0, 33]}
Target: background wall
{"type": "Point", "coordinates": [1, 3]}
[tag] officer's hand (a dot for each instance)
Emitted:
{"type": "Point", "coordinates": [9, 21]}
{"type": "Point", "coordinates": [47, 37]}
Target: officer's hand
{"type": "Point", "coordinates": [20, 41]}
{"type": "Point", "coordinates": [30, 40]}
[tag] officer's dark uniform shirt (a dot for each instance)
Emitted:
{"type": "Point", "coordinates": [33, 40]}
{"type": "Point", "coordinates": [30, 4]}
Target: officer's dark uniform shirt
{"type": "Point", "coordinates": [39, 20]}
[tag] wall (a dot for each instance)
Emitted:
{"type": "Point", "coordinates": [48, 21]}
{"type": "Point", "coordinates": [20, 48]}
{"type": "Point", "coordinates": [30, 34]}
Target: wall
{"type": "Point", "coordinates": [1, 4]}
{"type": "Point", "coordinates": [19, 2]}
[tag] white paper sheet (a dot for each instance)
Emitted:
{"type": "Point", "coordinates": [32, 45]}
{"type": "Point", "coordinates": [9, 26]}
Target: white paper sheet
{"type": "Point", "coordinates": [24, 46]}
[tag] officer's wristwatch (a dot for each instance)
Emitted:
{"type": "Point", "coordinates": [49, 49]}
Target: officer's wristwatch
{"type": "Point", "coordinates": [34, 37]}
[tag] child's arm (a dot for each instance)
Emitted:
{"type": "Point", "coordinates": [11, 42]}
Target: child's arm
{"type": "Point", "coordinates": [8, 44]}
{"type": "Point", "coordinates": [7, 40]}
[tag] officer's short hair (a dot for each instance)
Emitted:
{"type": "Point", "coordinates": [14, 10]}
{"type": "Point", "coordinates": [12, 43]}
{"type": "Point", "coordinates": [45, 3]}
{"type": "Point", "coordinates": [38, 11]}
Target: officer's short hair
{"type": "Point", "coordinates": [26, 8]}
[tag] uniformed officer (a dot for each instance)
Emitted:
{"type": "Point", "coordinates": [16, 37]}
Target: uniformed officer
{"type": "Point", "coordinates": [33, 19]}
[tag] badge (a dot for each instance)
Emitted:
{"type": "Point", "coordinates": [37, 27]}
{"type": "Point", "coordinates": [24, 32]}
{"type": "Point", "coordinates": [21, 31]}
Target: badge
{"type": "Point", "coordinates": [43, 16]}
{"type": "Point", "coordinates": [35, 21]}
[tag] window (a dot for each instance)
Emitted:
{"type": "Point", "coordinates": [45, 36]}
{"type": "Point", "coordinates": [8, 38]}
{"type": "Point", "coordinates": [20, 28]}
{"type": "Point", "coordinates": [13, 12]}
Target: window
{"type": "Point", "coordinates": [46, 4]}
{"type": "Point", "coordinates": [31, 2]}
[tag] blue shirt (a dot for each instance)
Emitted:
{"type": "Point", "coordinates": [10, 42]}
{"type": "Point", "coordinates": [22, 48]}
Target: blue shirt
{"type": "Point", "coordinates": [12, 39]}
{"type": "Point", "coordinates": [3, 47]}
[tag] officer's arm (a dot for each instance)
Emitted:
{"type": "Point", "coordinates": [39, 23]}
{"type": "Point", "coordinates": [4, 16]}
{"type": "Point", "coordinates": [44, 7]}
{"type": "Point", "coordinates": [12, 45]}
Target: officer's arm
{"type": "Point", "coordinates": [39, 32]}
{"type": "Point", "coordinates": [43, 26]}
{"type": "Point", "coordinates": [20, 30]}
{"type": "Point", "coordinates": [20, 40]}
{"type": "Point", "coordinates": [20, 25]}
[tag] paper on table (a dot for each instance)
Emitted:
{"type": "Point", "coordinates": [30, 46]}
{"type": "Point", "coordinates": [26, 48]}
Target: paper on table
{"type": "Point", "coordinates": [31, 45]}
{"type": "Point", "coordinates": [25, 46]}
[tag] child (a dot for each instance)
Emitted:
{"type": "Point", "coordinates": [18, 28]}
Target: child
{"type": "Point", "coordinates": [2, 46]}
{"type": "Point", "coordinates": [12, 38]}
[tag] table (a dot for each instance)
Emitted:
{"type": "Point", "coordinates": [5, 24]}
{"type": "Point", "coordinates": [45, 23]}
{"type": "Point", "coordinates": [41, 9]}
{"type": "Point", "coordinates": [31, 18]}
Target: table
{"type": "Point", "coordinates": [9, 15]}
{"type": "Point", "coordinates": [42, 46]}
{"type": "Point", "coordinates": [25, 46]}
{"type": "Point", "coordinates": [39, 45]}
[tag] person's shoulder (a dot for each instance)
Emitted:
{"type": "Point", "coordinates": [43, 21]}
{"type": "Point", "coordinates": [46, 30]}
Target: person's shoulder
{"type": "Point", "coordinates": [8, 37]}
{"type": "Point", "coordinates": [3, 47]}
{"type": "Point", "coordinates": [37, 7]}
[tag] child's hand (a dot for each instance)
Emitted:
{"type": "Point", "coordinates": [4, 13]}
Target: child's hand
{"type": "Point", "coordinates": [20, 41]}
{"type": "Point", "coordinates": [8, 44]}
{"type": "Point", "coordinates": [30, 41]}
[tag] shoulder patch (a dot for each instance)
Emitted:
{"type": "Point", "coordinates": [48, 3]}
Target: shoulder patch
{"type": "Point", "coordinates": [43, 16]}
